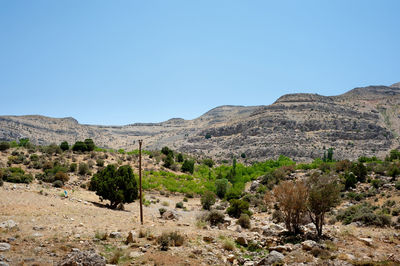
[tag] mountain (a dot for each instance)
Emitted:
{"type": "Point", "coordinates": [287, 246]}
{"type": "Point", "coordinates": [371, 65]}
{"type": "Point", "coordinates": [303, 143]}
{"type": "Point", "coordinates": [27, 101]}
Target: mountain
{"type": "Point", "coordinates": [362, 121]}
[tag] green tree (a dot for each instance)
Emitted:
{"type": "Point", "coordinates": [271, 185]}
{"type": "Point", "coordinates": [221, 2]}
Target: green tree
{"type": "Point", "coordinates": [350, 180]}
{"type": "Point", "coordinates": [79, 146]}
{"type": "Point", "coordinates": [393, 171]}
{"type": "Point", "coordinates": [323, 195]}
{"type": "Point", "coordinates": [167, 151]}
{"type": "Point", "coordinates": [360, 171]}
{"type": "Point", "coordinates": [168, 160]}
{"type": "Point", "coordinates": [116, 185]}
{"type": "Point", "coordinates": [64, 146]}
{"type": "Point", "coordinates": [209, 162]}
{"type": "Point", "coordinates": [208, 136]}
{"type": "Point", "coordinates": [24, 142]}
{"type": "Point", "coordinates": [207, 200]}
{"type": "Point", "coordinates": [237, 207]}
{"type": "Point", "coordinates": [4, 145]}
{"type": "Point", "coordinates": [329, 157]}
{"type": "Point", "coordinates": [89, 145]}
{"type": "Point", "coordinates": [188, 166]}
{"type": "Point", "coordinates": [221, 186]}
{"type": "Point", "coordinates": [179, 158]}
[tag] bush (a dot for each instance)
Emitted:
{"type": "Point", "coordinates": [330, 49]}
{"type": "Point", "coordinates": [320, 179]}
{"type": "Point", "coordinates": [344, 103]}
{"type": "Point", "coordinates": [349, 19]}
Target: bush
{"type": "Point", "coordinates": [64, 146]}
{"type": "Point", "coordinates": [221, 186]}
{"type": "Point", "coordinates": [73, 167]}
{"type": "Point", "coordinates": [179, 158]}
{"type": "Point", "coordinates": [350, 180]}
{"type": "Point", "coordinates": [207, 200]}
{"type": "Point", "coordinates": [4, 146]}
{"type": "Point", "coordinates": [292, 200]}
{"type": "Point", "coordinates": [100, 162]}
{"type": "Point", "coordinates": [58, 183]}
{"type": "Point", "coordinates": [117, 185]}
{"type": "Point", "coordinates": [397, 185]}
{"type": "Point", "coordinates": [188, 166]}
{"type": "Point", "coordinates": [237, 207]}
{"type": "Point", "coordinates": [170, 239]}
{"type": "Point", "coordinates": [162, 211]}
{"type": "Point", "coordinates": [377, 183]}
{"type": "Point", "coordinates": [89, 145]}
{"type": "Point", "coordinates": [228, 245]}
{"type": "Point", "coordinates": [360, 171]}
{"type": "Point", "coordinates": [364, 213]}
{"type": "Point", "coordinates": [63, 177]}
{"type": "Point", "coordinates": [209, 162]}
{"type": "Point", "coordinates": [179, 205]}
{"type": "Point", "coordinates": [215, 217]}
{"type": "Point", "coordinates": [83, 169]}
{"type": "Point", "coordinates": [79, 146]}
{"type": "Point", "coordinates": [16, 175]}
{"type": "Point", "coordinates": [244, 221]}
{"type": "Point", "coordinates": [233, 193]}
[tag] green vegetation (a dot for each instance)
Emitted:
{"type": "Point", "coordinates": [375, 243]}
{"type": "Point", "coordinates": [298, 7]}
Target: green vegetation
{"type": "Point", "coordinates": [188, 166]}
{"type": "Point", "coordinates": [64, 146]}
{"type": "Point", "coordinates": [15, 175]}
{"type": "Point", "coordinates": [207, 200]}
{"type": "Point", "coordinates": [238, 207]}
{"type": "Point", "coordinates": [116, 185]}
{"type": "Point", "coordinates": [364, 213]}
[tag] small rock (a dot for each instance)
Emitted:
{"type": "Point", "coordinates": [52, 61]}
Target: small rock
{"type": "Point", "coordinates": [77, 236]}
{"type": "Point", "coordinates": [366, 241]}
{"type": "Point", "coordinates": [115, 235]}
{"type": "Point", "coordinates": [272, 258]}
{"type": "Point", "coordinates": [38, 228]}
{"type": "Point", "coordinates": [37, 235]}
{"type": "Point", "coordinates": [2, 263]}
{"type": "Point", "coordinates": [208, 238]}
{"type": "Point", "coordinates": [281, 248]}
{"type": "Point", "coordinates": [197, 251]}
{"type": "Point", "coordinates": [170, 215]}
{"type": "Point", "coordinates": [241, 241]}
{"type": "Point", "coordinates": [131, 236]}
{"type": "Point", "coordinates": [135, 254]}
{"type": "Point", "coordinates": [231, 258]}
{"type": "Point", "coordinates": [83, 258]}
{"type": "Point", "coordinates": [8, 224]}
{"type": "Point", "coordinates": [248, 263]}
{"type": "Point", "coordinates": [4, 247]}
{"type": "Point", "coordinates": [308, 244]}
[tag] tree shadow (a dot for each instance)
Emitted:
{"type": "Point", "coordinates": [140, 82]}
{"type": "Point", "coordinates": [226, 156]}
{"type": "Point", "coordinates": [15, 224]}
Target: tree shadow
{"type": "Point", "coordinates": [107, 206]}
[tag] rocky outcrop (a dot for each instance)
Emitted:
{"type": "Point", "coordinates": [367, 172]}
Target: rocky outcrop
{"type": "Point", "coordinates": [363, 121]}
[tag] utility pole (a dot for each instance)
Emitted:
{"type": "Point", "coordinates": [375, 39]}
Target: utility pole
{"type": "Point", "coordinates": [140, 180]}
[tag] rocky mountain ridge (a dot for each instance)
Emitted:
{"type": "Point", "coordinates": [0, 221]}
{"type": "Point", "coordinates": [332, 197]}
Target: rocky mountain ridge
{"type": "Point", "coordinates": [363, 121]}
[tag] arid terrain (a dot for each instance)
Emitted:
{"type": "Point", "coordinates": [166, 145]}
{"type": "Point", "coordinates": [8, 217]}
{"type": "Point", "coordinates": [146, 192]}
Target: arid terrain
{"type": "Point", "coordinates": [363, 121]}
{"type": "Point", "coordinates": [40, 226]}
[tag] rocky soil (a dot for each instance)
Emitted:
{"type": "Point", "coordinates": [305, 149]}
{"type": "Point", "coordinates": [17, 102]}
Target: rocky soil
{"type": "Point", "coordinates": [363, 121]}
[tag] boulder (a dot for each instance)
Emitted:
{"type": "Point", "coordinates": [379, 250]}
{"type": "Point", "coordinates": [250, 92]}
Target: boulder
{"type": "Point", "coordinates": [272, 258]}
{"type": "Point", "coordinates": [309, 245]}
{"type": "Point", "coordinates": [208, 238]}
{"type": "Point", "coordinates": [170, 215]}
{"type": "Point", "coordinates": [4, 247]}
{"type": "Point", "coordinates": [131, 237]}
{"type": "Point", "coordinates": [241, 240]}
{"type": "Point", "coordinates": [10, 224]}
{"type": "Point", "coordinates": [281, 248]}
{"type": "Point", "coordinates": [367, 241]}
{"type": "Point", "coordinates": [83, 258]}
{"type": "Point", "coordinates": [115, 235]}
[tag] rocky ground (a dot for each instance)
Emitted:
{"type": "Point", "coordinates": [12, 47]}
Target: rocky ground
{"type": "Point", "coordinates": [40, 226]}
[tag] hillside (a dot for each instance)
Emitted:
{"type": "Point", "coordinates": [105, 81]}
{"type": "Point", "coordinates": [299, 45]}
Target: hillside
{"type": "Point", "coordinates": [363, 121]}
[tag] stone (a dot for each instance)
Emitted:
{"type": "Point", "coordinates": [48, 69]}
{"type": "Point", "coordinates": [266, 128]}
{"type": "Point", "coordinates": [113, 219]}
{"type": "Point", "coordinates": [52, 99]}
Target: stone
{"type": "Point", "coordinates": [241, 241]}
{"type": "Point", "coordinates": [115, 235]}
{"type": "Point", "coordinates": [135, 254]}
{"type": "Point", "coordinates": [38, 228]}
{"type": "Point", "coordinates": [231, 258]}
{"type": "Point", "coordinates": [131, 237]}
{"type": "Point", "coordinates": [2, 263]}
{"type": "Point", "coordinates": [197, 251]}
{"type": "Point", "coordinates": [281, 248]}
{"type": "Point", "coordinates": [367, 241]}
{"type": "Point", "coordinates": [37, 235]}
{"type": "Point", "coordinates": [248, 263]}
{"type": "Point", "coordinates": [208, 238]}
{"type": "Point", "coordinates": [170, 215]}
{"type": "Point", "coordinates": [84, 258]}
{"type": "Point", "coordinates": [308, 245]}
{"type": "Point", "coordinates": [272, 258]}
{"type": "Point", "coordinates": [4, 247]}
{"type": "Point", "coordinates": [10, 224]}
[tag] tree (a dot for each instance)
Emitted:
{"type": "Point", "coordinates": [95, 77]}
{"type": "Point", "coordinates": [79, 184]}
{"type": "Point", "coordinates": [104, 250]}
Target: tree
{"type": "Point", "coordinates": [116, 185]}
{"type": "Point", "coordinates": [79, 146]}
{"type": "Point", "coordinates": [360, 171]}
{"type": "Point", "coordinates": [64, 146]}
{"type": "Point", "coordinates": [393, 171]}
{"type": "Point", "coordinates": [237, 207]}
{"type": "Point", "coordinates": [167, 151]}
{"type": "Point", "coordinates": [221, 186]}
{"type": "Point", "coordinates": [179, 158]}
{"type": "Point", "coordinates": [208, 136]}
{"type": "Point", "coordinates": [292, 200]}
{"type": "Point", "coordinates": [4, 145]}
{"type": "Point", "coordinates": [89, 145]}
{"type": "Point", "coordinates": [24, 142]}
{"type": "Point", "coordinates": [207, 200]}
{"type": "Point", "coordinates": [168, 160]}
{"type": "Point", "coordinates": [323, 195]}
{"type": "Point", "coordinates": [188, 166]}
{"type": "Point", "coordinates": [350, 180]}
{"type": "Point", "coordinates": [330, 155]}
{"type": "Point", "coordinates": [209, 162]}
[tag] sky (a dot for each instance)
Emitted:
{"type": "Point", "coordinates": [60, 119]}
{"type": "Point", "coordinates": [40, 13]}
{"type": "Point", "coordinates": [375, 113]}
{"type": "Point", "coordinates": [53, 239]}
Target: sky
{"type": "Point", "coordinates": [121, 62]}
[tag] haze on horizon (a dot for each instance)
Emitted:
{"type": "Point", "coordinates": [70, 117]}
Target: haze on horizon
{"type": "Point", "coordinates": [117, 63]}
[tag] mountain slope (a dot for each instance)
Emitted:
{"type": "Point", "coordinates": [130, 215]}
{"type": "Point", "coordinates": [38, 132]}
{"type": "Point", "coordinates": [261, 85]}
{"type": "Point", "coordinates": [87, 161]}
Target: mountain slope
{"type": "Point", "coordinates": [363, 121]}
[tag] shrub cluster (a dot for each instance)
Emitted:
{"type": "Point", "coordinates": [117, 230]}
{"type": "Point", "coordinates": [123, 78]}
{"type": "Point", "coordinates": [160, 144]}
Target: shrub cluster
{"type": "Point", "coordinates": [364, 213]}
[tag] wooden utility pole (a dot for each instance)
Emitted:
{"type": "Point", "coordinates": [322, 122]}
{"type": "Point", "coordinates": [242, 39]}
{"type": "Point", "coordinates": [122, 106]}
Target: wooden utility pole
{"type": "Point", "coordinates": [140, 180]}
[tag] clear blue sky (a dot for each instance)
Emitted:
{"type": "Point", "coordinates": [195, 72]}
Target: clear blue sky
{"type": "Point", "coordinates": [119, 62]}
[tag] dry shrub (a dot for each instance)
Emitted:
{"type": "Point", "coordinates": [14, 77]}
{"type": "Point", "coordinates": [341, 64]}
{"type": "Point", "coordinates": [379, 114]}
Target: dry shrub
{"type": "Point", "coordinates": [292, 200]}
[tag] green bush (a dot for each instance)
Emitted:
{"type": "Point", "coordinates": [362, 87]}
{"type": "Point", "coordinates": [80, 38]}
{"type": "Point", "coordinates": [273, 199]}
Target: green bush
{"type": "Point", "coordinates": [350, 180]}
{"type": "Point", "coordinates": [209, 162]}
{"type": "Point", "coordinates": [360, 171]}
{"type": "Point", "coordinates": [83, 169]}
{"type": "Point", "coordinates": [221, 187]}
{"type": "Point", "coordinates": [188, 166]}
{"type": "Point", "coordinates": [397, 185]}
{"type": "Point", "coordinates": [207, 200]}
{"type": "Point", "coordinates": [100, 162]}
{"type": "Point", "coordinates": [73, 167]}
{"type": "Point", "coordinates": [16, 175]}
{"type": "Point", "coordinates": [244, 220]}
{"type": "Point", "coordinates": [179, 205]}
{"type": "Point", "coordinates": [237, 207]}
{"type": "Point", "coordinates": [58, 183]}
{"type": "Point", "coordinates": [215, 217]}
{"type": "Point", "coordinates": [89, 145]}
{"type": "Point", "coordinates": [64, 146]}
{"type": "Point", "coordinates": [79, 146]}
{"type": "Point", "coordinates": [179, 158]}
{"type": "Point", "coordinates": [162, 211]}
{"type": "Point", "coordinates": [4, 145]}
{"type": "Point", "coordinates": [364, 213]}
{"type": "Point", "coordinates": [377, 183]}
{"type": "Point", "coordinates": [233, 193]}
{"type": "Point", "coordinates": [116, 185]}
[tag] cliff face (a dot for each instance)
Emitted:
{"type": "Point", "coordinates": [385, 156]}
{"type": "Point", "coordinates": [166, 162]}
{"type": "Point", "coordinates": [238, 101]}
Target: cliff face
{"type": "Point", "coordinates": [363, 121]}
